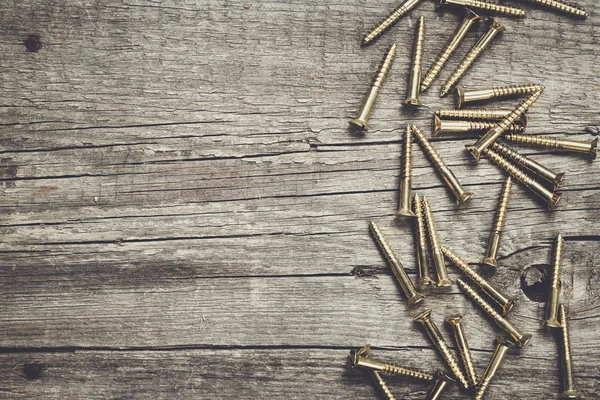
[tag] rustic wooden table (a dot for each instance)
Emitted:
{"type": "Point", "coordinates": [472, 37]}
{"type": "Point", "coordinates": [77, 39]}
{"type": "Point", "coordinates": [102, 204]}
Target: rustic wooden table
{"type": "Point", "coordinates": [184, 211]}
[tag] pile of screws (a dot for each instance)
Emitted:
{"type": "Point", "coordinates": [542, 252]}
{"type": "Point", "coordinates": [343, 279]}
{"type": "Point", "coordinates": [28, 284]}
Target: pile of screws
{"type": "Point", "coordinates": [493, 124]}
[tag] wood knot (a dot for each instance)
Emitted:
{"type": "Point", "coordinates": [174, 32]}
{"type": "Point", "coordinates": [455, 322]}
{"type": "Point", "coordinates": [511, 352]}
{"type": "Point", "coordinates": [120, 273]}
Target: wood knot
{"type": "Point", "coordinates": [33, 43]}
{"type": "Point", "coordinates": [33, 370]}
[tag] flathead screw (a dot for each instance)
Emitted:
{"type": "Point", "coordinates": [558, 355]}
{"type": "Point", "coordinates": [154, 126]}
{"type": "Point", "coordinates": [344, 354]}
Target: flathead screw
{"type": "Point", "coordinates": [468, 96]}
{"type": "Point", "coordinates": [555, 285]}
{"type": "Point", "coordinates": [441, 382]}
{"type": "Point", "coordinates": [361, 358]}
{"type": "Point", "coordinates": [405, 192]}
{"type": "Point", "coordinates": [389, 21]}
{"type": "Point", "coordinates": [483, 42]}
{"type": "Point", "coordinates": [520, 338]}
{"type": "Point", "coordinates": [466, 126]}
{"type": "Point", "coordinates": [491, 252]}
{"type": "Point", "coordinates": [381, 385]}
{"type": "Point", "coordinates": [401, 276]}
{"type": "Point", "coordinates": [533, 166]}
{"type": "Point", "coordinates": [424, 271]}
{"type": "Point", "coordinates": [478, 114]}
{"type": "Point", "coordinates": [504, 301]}
{"type": "Point", "coordinates": [365, 110]}
{"type": "Point", "coordinates": [563, 7]}
{"type": "Point", "coordinates": [451, 46]}
{"type": "Point", "coordinates": [551, 198]}
{"type": "Point", "coordinates": [569, 391]}
{"type": "Point", "coordinates": [576, 146]}
{"type": "Point", "coordinates": [501, 127]}
{"type": "Point", "coordinates": [438, 341]}
{"type": "Point", "coordinates": [484, 6]}
{"type": "Point", "coordinates": [445, 173]}
{"type": "Point", "coordinates": [436, 250]}
{"type": "Point", "coordinates": [455, 321]}
{"type": "Point", "coordinates": [500, 352]}
{"type": "Point", "coordinates": [414, 82]}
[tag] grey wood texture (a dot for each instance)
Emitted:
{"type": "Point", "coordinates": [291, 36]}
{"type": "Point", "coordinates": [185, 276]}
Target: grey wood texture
{"type": "Point", "coordinates": [184, 210]}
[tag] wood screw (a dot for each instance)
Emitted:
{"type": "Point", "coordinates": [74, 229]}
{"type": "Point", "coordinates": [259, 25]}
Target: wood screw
{"type": "Point", "coordinates": [455, 321]}
{"type": "Point", "coordinates": [424, 268]}
{"type": "Point", "coordinates": [569, 391]}
{"type": "Point", "coordinates": [485, 6]}
{"type": "Point", "coordinates": [436, 249]}
{"type": "Point", "coordinates": [500, 352]}
{"type": "Point", "coordinates": [576, 146]}
{"type": "Point", "coordinates": [555, 285]}
{"type": "Point", "coordinates": [441, 382]}
{"type": "Point", "coordinates": [466, 126]}
{"type": "Point", "coordinates": [491, 252]}
{"type": "Point", "coordinates": [478, 113]}
{"type": "Point", "coordinates": [361, 358]}
{"type": "Point", "coordinates": [563, 7]}
{"type": "Point", "coordinates": [389, 21]}
{"type": "Point", "coordinates": [414, 82]}
{"type": "Point", "coordinates": [405, 192]}
{"type": "Point", "coordinates": [468, 96]}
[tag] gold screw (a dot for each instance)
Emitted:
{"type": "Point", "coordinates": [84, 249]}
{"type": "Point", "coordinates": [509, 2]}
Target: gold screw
{"type": "Point", "coordinates": [455, 321]}
{"type": "Point", "coordinates": [441, 382]}
{"type": "Point", "coordinates": [436, 250]}
{"type": "Point", "coordinates": [483, 42]}
{"type": "Point", "coordinates": [440, 343]}
{"type": "Point", "coordinates": [389, 21]}
{"type": "Point", "coordinates": [365, 110]}
{"type": "Point", "coordinates": [381, 385]}
{"type": "Point", "coordinates": [520, 338]}
{"type": "Point", "coordinates": [478, 113]}
{"type": "Point", "coordinates": [555, 285]}
{"type": "Point", "coordinates": [468, 96]}
{"type": "Point", "coordinates": [563, 7]}
{"type": "Point", "coordinates": [405, 192]}
{"type": "Point", "coordinates": [491, 252]}
{"type": "Point", "coordinates": [499, 129]}
{"type": "Point", "coordinates": [466, 126]}
{"type": "Point", "coordinates": [569, 391]}
{"type": "Point", "coordinates": [506, 302]}
{"type": "Point", "coordinates": [451, 46]}
{"type": "Point", "coordinates": [576, 146]}
{"type": "Point", "coordinates": [538, 169]}
{"type": "Point", "coordinates": [485, 6]}
{"type": "Point", "coordinates": [500, 352]}
{"type": "Point", "coordinates": [424, 271]}
{"type": "Point", "coordinates": [446, 174]}
{"type": "Point", "coordinates": [361, 358]}
{"type": "Point", "coordinates": [414, 83]}
{"type": "Point", "coordinates": [401, 276]}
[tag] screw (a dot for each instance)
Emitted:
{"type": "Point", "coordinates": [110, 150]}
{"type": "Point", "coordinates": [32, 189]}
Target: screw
{"type": "Point", "coordinates": [466, 126]}
{"type": "Point", "coordinates": [446, 174]}
{"type": "Point", "coordinates": [440, 343]}
{"type": "Point", "coordinates": [389, 21]}
{"type": "Point", "coordinates": [365, 110]}
{"type": "Point", "coordinates": [551, 198]}
{"type": "Point", "coordinates": [414, 83]}
{"type": "Point", "coordinates": [520, 338]}
{"type": "Point", "coordinates": [555, 285]}
{"type": "Point", "coordinates": [470, 58]}
{"type": "Point", "coordinates": [502, 348]}
{"type": "Point", "coordinates": [569, 391]}
{"type": "Point", "coordinates": [455, 321]}
{"type": "Point", "coordinates": [491, 252]}
{"type": "Point", "coordinates": [506, 302]}
{"type": "Point", "coordinates": [484, 6]}
{"type": "Point", "coordinates": [576, 146]}
{"type": "Point", "coordinates": [405, 283]}
{"type": "Point", "coordinates": [478, 113]}
{"type": "Point", "coordinates": [499, 129]}
{"type": "Point", "coordinates": [563, 7]}
{"type": "Point", "coordinates": [405, 192]}
{"type": "Point", "coordinates": [361, 358]}
{"type": "Point", "coordinates": [468, 96]}
{"type": "Point", "coordinates": [436, 250]}
{"type": "Point", "coordinates": [531, 165]}
{"type": "Point", "coordinates": [451, 46]}
{"type": "Point", "coordinates": [422, 253]}
{"type": "Point", "coordinates": [441, 381]}
{"type": "Point", "coordinates": [381, 385]}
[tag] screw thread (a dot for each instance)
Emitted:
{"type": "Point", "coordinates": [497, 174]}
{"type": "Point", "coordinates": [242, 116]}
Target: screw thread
{"type": "Point", "coordinates": [452, 363]}
{"type": "Point", "coordinates": [480, 301]}
{"type": "Point", "coordinates": [519, 110]}
{"type": "Point", "coordinates": [500, 218]}
{"type": "Point", "coordinates": [487, 125]}
{"type": "Point", "coordinates": [385, 67]}
{"type": "Point", "coordinates": [419, 43]}
{"type": "Point", "coordinates": [563, 7]}
{"type": "Point", "coordinates": [509, 153]}
{"type": "Point", "coordinates": [464, 267]}
{"type": "Point", "coordinates": [497, 8]}
{"type": "Point", "coordinates": [390, 20]}
{"type": "Point", "coordinates": [514, 171]}
{"type": "Point", "coordinates": [435, 69]}
{"type": "Point", "coordinates": [407, 159]}
{"type": "Point", "coordinates": [392, 369]}
{"type": "Point", "coordinates": [535, 140]}
{"type": "Point", "coordinates": [474, 113]}
{"type": "Point", "coordinates": [421, 223]}
{"type": "Point", "coordinates": [431, 153]}
{"type": "Point", "coordinates": [558, 254]}
{"type": "Point", "coordinates": [513, 90]}
{"type": "Point", "coordinates": [433, 236]}
{"type": "Point", "coordinates": [482, 388]}
{"type": "Point", "coordinates": [458, 73]}
{"type": "Point", "coordinates": [381, 385]}
{"type": "Point", "coordinates": [562, 315]}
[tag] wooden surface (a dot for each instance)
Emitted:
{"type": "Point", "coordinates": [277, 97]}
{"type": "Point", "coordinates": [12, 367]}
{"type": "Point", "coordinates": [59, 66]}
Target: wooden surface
{"type": "Point", "coordinates": [184, 211]}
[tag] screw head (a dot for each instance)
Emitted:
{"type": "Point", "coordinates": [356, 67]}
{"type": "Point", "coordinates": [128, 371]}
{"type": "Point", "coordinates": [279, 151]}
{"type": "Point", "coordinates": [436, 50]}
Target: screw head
{"type": "Point", "coordinates": [355, 354]}
{"type": "Point", "coordinates": [445, 282]}
{"type": "Point", "coordinates": [593, 148]}
{"type": "Point", "coordinates": [558, 180]}
{"type": "Point", "coordinates": [411, 101]}
{"type": "Point", "coordinates": [403, 212]}
{"type": "Point", "coordinates": [492, 262]}
{"type": "Point", "coordinates": [569, 394]}
{"type": "Point", "coordinates": [415, 299]}
{"type": "Point", "coordinates": [454, 319]}
{"type": "Point", "coordinates": [472, 15]}
{"type": "Point", "coordinates": [424, 316]}
{"type": "Point", "coordinates": [463, 197]}
{"type": "Point", "coordinates": [552, 202]}
{"type": "Point", "coordinates": [358, 123]}
{"type": "Point", "coordinates": [459, 96]}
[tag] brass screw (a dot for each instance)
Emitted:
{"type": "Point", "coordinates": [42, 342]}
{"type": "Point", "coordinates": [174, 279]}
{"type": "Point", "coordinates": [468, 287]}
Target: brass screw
{"type": "Point", "coordinates": [483, 42]}
{"type": "Point", "coordinates": [466, 126]}
{"type": "Point", "coordinates": [569, 391]}
{"type": "Point", "coordinates": [551, 198]}
{"type": "Point", "coordinates": [446, 174]}
{"type": "Point", "coordinates": [502, 348]}
{"type": "Point", "coordinates": [441, 382]}
{"type": "Point", "coordinates": [405, 192]}
{"type": "Point", "coordinates": [365, 110]}
{"type": "Point", "coordinates": [538, 169]}
{"type": "Point", "coordinates": [455, 321]}
{"type": "Point", "coordinates": [478, 113]}
{"type": "Point", "coordinates": [563, 7]}
{"type": "Point", "coordinates": [491, 252]}
{"type": "Point", "coordinates": [499, 129]}
{"type": "Point", "coordinates": [436, 250]}
{"type": "Point", "coordinates": [389, 21]}
{"type": "Point", "coordinates": [576, 146]}
{"type": "Point", "coordinates": [424, 270]}
{"type": "Point", "coordinates": [506, 302]}
{"type": "Point", "coordinates": [485, 6]}
{"type": "Point", "coordinates": [361, 358]}
{"type": "Point", "coordinates": [401, 276]}
{"type": "Point", "coordinates": [440, 343]}
{"type": "Point", "coordinates": [414, 82]}
{"type": "Point", "coordinates": [451, 46]}
{"type": "Point", "coordinates": [520, 338]}
{"type": "Point", "coordinates": [468, 96]}
{"type": "Point", "coordinates": [381, 385]}
{"type": "Point", "coordinates": [555, 285]}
